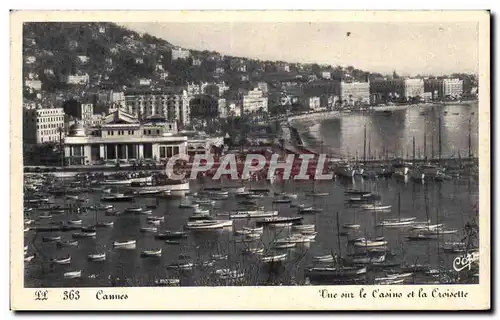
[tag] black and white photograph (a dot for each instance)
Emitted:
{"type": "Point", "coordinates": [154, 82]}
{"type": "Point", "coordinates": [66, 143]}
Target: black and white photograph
{"type": "Point", "coordinates": [260, 153]}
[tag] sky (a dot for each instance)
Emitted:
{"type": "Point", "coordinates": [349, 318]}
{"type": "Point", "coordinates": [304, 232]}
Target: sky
{"type": "Point", "coordinates": [409, 48]}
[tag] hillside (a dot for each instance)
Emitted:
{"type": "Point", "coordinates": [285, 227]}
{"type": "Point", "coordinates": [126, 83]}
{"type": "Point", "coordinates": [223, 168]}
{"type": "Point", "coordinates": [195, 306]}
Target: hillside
{"type": "Point", "coordinates": [115, 57]}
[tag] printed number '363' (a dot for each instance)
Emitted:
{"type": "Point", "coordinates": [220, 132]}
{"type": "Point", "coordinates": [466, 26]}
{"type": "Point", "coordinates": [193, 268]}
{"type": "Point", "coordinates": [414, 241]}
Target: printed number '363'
{"type": "Point", "coordinates": [71, 295]}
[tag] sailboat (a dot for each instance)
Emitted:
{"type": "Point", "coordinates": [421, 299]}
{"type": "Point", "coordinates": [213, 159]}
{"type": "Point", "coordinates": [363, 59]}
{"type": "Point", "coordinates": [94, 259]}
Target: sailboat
{"type": "Point", "coordinates": [337, 272]}
{"type": "Point", "coordinates": [398, 222]}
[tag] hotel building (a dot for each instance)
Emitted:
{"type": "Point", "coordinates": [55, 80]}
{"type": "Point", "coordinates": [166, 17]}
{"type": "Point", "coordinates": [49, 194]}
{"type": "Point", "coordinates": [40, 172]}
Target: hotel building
{"type": "Point", "coordinates": [122, 137]}
{"type": "Point", "coordinates": [452, 88]}
{"type": "Point", "coordinates": [254, 100]}
{"type": "Point", "coordinates": [354, 92]}
{"type": "Point", "coordinates": [172, 104]}
{"type": "Point", "coordinates": [42, 125]}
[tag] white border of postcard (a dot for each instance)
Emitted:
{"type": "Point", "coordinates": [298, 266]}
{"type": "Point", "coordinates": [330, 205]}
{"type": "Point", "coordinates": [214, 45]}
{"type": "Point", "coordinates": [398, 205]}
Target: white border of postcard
{"type": "Point", "coordinates": [411, 297]}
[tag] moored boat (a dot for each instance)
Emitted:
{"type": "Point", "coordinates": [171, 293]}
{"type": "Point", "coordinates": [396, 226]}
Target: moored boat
{"type": "Point", "coordinates": [127, 244]}
{"type": "Point", "coordinates": [64, 260]}
{"type": "Point", "coordinates": [97, 256]}
{"type": "Point", "coordinates": [72, 274]}
{"type": "Point", "coordinates": [151, 253]}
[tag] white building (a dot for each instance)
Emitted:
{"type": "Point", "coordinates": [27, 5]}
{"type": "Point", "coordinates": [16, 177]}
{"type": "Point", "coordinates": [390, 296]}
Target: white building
{"type": "Point", "coordinates": [223, 87]}
{"type": "Point", "coordinates": [313, 103]}
{"type": "Point", "coordinates": [30, 59]}
{"type": "Point", "coordinates": [179, 53]}
{"type": "Point", "coordinates": [196, 62]}
{"type": "Point", "coordinates": [122, 136]}
{"type": "Point", "coordinates": [139, 60]}
{"type": "Point", "coordinates": [326, 75]}
{"type": "Point", "coordinates": [284, 67]}
{"type": "Point", "coordinates": [164, 75]}
{"type": "Point", "coordinates": [352, 93]}
{"type": "Point", "coordinates": [42, 125]}
{"type": "Point", "coordinates": [86, 111]}
{"type": "Point", "coordinates": [83, 59]}
{"type": "Point", "coordinates": [77, 79]}
{"type": "Point", "coordinates": [144, 82]}
{"type": "Point", "coordinates": [234, 109]}
{"type": "Point", "coordinates": [33, 84]}
{"type": "Point", "coordinates": [173, 105]}
{"type": "Point", "coordinates": [222, 107]}
{"type": "Point", "coordinates": [48, 72]}
{"type": "Point", "coordinates": [254, 100]}
{"type": "Point", "coordinates": [452, 88]}
{"type": "Point", "coordinates": [413, 88]}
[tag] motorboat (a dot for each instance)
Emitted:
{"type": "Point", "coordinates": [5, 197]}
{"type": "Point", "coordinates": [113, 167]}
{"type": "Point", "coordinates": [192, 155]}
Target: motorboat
{"type": "Point", "coordinates": [72, 274]}
{"type": "Point", "coordinates": [370, 243]}
{"type": "Point", "coordinates": [204, 225]}
{"type": "Point", "coordinates": [181, 266]}
{"type": "Point", "coordinates": [128, 244]}
{"type": "Point", "coordinates": [308, 210]}
{"type": "Point", "coordinates": [155, 218]}
{"type": "Point", "coordinates": [252, 214]}
{"type": "Point", "coordinates": [167, 282]}
{"type": "Point", "coordinates": [118, 197]}
{"type": "Point", "coordinates": [274, 258]}
{"type": "Point", "coordinates": [148, 229]}
{"type": "Point", "coordinates": [97, 256]}
{"type": "Point", "coordinates": [65, 260]}
{"type": "Point", "coordinates": [105, 224]}
{"type": "Point", "coordinates": [335, 272]}
{"type": "Point", "coordinates": [77, 235]}
{"type": "Point", "coordinates": [169, 235]}
{"type": "Point", "coordinates": [372, 207]}
{"type": "Point", "coordinates": [276, 220]}
{"type": "Point", "coordinates": [134, 210]}
{"type": "Point", "coordinates": [151, 253]}
{"type": "Point", "coordinates": [351, 226]}
{"type": "Point", "coordinates": [253, 251]}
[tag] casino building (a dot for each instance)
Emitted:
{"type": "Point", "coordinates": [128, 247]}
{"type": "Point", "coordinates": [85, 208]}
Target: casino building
{"type": "Point", "coordinates": [123, 138]}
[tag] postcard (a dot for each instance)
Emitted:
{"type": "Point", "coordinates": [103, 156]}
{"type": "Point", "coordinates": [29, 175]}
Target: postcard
{"type": "Point", "coordinates": [250, 160]}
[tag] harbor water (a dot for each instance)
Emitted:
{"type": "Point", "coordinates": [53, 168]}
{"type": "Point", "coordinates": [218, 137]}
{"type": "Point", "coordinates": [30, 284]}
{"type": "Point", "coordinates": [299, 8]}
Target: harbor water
{"type": "Point", "coordinates": [452, 202]}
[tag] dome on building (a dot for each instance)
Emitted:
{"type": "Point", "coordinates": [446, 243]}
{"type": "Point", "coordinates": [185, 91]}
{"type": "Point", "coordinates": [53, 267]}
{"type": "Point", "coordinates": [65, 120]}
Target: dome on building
{"type": "Point", "coordinates": [77, 130]}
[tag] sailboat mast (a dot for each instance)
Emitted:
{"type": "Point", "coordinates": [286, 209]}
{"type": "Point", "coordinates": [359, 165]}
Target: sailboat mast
{"type": "Point", "coordinates": [470, 151]}
{"type": "Point", "coordinates": [369, 149]}
{"type": "Point", "coordinates": [425, 146]}
{"type": "Point", "coordinates": [399, 206]}
{"type": "Point", "coordinates": [364, 146]}
{"type": "Point", "coordinates": [338, 235]}
{"type": "Point", "coordinates": [439, 138]}
{"type": "Point", "coordinates": [413, 148]}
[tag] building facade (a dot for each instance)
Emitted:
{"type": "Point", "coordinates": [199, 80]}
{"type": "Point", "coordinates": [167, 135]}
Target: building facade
{"type": "Point", "coordinates": [77, 79]}
{"type": "Point", "coordinates": [171, 104]}
{"type": "Point", "coordinates": [352, 93]}
{"type": "Point", "coordinates": [384, 90]}
{"type": "Point", "coordinates": [313, 103]}
{"type": "Point", "coordinates": [86, 111]}
{"type": "Point", "coordinates": [43, 125]}
{"type": "Point", "coordinates": [179, 53]}
{"type": "Point", "coordinates": [413, 88]}
{"type": "Point", "coordinates": [122, 137]}
{"type": "Point", "coordinates": [254, 100]}
{"type": "Point", "coordinates": [452, 88]}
